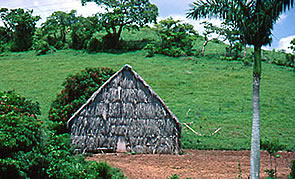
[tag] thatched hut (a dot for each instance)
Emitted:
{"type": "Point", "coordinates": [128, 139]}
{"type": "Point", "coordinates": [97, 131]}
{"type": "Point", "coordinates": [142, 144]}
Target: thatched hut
{"type": "Point", "coordinates": [125, 115]}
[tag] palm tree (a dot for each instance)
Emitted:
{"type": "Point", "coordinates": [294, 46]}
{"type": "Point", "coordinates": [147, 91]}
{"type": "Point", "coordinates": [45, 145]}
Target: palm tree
{"type": "Point", "coordinates": [255, 20]}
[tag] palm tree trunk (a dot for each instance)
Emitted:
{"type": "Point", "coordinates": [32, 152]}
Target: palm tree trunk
{"type": "Point", "coordinates": [255, 139]}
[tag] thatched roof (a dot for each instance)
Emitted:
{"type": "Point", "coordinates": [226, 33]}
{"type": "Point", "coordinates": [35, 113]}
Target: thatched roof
{"type": "Point", "coordinates": [137, 77]}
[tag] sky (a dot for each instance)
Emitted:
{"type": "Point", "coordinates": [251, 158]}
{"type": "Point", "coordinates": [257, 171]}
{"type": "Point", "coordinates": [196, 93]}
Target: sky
{"type": "Point", "coordinates": [283, 32]}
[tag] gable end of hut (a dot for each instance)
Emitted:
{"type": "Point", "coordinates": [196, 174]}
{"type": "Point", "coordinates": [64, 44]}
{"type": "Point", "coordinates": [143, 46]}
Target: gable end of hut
{"type": "Point", "coordinates": [125, 114]}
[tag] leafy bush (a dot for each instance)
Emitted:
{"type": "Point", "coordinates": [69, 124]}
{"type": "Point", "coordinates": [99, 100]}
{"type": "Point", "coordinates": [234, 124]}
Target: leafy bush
{"type": "Point", "coordinates": [29, 151]}
{"type": "Point", "coordinates": [14, 103]}
{"type": "Point", "coordinates": [292, 174]}
{"type": "Point", "coordinates": [53, 158]}
{"type": "Point", "coordinates": [3, 46]}
{"type": "Point", "coordinates": [133, 45]}
{"type": "Point", "coordinates": [40, 43]}
{"type": "Point", "coordinates": [4, 38]}
{"type": "Point", "coordinates": [94, 45]}
{"type": "Point", "coordinates": [279, 57]}
{"type": "Point", "coordinates": [20, 24]}
{"type": "Point", "coordinates": [234, 51]}
{"type": "Point", "coordinates": [63, 164]}
{"type": "Point", "coordinates": [176, 38]}
{"type": "Point", "coordinates": [247, 61]}
{"type": "Point", "coordinates": [83, 30]}
{"type": "Point", "coordinates": [20, 133]}
{"type": "Point", "coordinates": [84, 34]}
{"type": "Point", "coordinates": [283, 62]}
{"type": "Point", "coordinates": [42, 47]}
{"type": "Point", "coordinates": [150, 48]}
{"type": "Point", "coordinates": [77, 89]}
{"type": "Point", "coordinates": [106, 171]}
{"type": "Point", "coordinates": [290, 60]}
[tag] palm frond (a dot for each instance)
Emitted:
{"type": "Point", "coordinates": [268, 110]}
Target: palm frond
{"type": "Point", "coordinates": [284, 4]}
{"type": "Point", "coordinates": [209, 8]}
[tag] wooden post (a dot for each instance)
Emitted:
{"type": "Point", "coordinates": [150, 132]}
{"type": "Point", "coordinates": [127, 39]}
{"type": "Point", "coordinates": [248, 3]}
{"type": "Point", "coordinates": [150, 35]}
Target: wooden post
{"type": "Point", "coordinates": [191, 129]}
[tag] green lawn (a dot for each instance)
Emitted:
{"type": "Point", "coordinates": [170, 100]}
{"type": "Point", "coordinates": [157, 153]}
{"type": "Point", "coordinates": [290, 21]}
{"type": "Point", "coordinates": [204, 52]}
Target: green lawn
{"type": "Point", "coordinates": [216, 93]}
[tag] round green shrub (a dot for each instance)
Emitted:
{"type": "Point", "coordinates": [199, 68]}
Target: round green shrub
{"type": "Point", "coordinates": [77, 89]}
{"type": "Point", "coordinates": [12, 102]}
{"type": "Point", "coordinates": [27, 150]}
{"type": "Point", "coordinates": [20, 133]}
{"type": "Point", "coordinates": [61, 163]}
{"type": "Point", "coordinates": [292, 173]}
{"type": "Point", "coordinates": [176, 38]}
{"type": "Point", "coordinates": [42, 47]}
{"type": "Point", "coordinates": [150, 48]}
{"type": "Point", "coordinates": [94, 45]}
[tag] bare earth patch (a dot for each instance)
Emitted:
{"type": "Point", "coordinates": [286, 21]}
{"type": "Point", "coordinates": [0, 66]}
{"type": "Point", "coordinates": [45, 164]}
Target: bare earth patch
{"type": "Point", "coordinates": [193, 164]}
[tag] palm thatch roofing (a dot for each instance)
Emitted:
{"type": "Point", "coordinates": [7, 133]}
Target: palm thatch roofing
{"type": "Point", "coordinates": [137, 77]}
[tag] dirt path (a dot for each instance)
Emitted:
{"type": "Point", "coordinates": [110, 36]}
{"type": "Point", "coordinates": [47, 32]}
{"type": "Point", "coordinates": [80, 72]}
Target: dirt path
{"type": "Point", "coordinates": [193, 164]}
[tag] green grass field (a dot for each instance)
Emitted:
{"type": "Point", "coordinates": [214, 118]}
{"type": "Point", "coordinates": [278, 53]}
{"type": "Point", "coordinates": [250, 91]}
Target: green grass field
{"type": "Point", "coordinates": [207, 93]}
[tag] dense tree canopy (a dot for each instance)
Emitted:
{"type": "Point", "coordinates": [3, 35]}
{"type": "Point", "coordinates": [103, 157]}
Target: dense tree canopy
{"type": "Point", "coordinates": [176, 37]}
{"type": "Point", "coordinates": [57, 26]}
{"type": "Point", "coordinates": [3, 38]}
{"type": "Point", "coordinates": [20, 26]}
{"type": "Point", "coordinates": [120, 14]}
{"type": "Point", "coordinates": [82, 32]}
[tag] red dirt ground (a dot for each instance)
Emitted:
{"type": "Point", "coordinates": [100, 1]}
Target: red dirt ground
{"type": "Point", "coordinates": [193, 164]}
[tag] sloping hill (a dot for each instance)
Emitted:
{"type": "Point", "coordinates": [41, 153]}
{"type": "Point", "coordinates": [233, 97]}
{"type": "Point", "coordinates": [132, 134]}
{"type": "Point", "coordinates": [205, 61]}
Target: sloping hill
{"type": "Point", "coordinates": [206, 92]}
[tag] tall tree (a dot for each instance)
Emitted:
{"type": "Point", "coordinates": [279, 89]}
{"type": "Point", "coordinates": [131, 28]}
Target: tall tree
{"type": "Point", "coordinates": [57, 26]}
{"type": "Point", "coordinates": [255, 20]}
{"type": "Point", "coordinates": [232, 35]}
{"type": "Point", "coordinates": [83, 30]}
{"type": "Point", "coordinates": [20, 26]}
{"type": "Point", "coordinates": [128, 14]}
{"type": "Point", "coordinates": [4, 38]}
{"type": "Point", "coordinates": [209, 29]}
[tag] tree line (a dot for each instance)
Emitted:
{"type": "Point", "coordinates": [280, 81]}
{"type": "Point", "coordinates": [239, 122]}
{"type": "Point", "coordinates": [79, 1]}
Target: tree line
{"type": "Point", "coordinates": [68, 30]}
{"type": "Point", "coordinates": [102, 31]}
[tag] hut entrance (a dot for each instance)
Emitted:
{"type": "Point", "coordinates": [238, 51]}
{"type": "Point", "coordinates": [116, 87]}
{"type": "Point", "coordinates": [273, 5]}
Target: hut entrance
{"type": "Point", "coordinates": [121, 144]}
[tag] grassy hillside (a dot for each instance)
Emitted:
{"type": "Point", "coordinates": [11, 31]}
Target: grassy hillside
{"type": "Point", "coordinates": [216, 93]}
{"type": "Point", "coordinates": [205, 92]}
